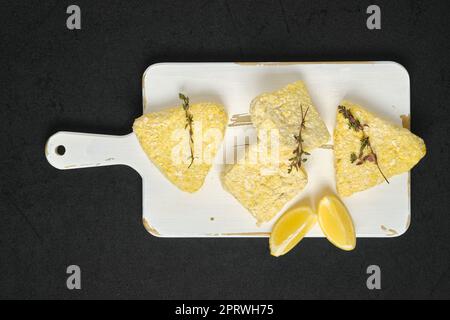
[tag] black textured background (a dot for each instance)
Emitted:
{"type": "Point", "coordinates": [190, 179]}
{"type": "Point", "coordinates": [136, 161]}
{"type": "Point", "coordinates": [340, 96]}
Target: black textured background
{"type": "Point", "coordinates": [90, 81]}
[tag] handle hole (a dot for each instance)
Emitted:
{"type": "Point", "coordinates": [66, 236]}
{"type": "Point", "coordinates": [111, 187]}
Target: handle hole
{"type": "Point", "coordinates": [60, 150]}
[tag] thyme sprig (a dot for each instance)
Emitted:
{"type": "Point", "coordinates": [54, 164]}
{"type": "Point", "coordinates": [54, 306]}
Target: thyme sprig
{"type": "Point", "coordinates": [356, 125]}
{"type": "Point", "coordinates": [353, 123]}
{"type": "Point", "coordinates": [299, 153]}
{"type": "Point", "coordinates": [189, 125]}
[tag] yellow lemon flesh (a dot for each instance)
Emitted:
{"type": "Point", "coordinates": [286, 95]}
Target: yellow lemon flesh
{"type": "Point", "coordinates": [290, 229]}
{"type": "Point", "coordinates": [336, 223]}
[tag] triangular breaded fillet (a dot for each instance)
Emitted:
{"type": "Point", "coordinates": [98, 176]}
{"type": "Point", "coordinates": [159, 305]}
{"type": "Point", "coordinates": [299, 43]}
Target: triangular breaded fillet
{"type": "Point", "coordinates": [396, 149]}
{"type": "Point", "coordinates": [263, 187]}
{"type": "Point", "coordinates": [282, 110]}
{"type": "Point", "coordinates": [164, 137]}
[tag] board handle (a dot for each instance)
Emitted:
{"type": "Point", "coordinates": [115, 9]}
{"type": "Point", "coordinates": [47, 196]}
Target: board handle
{"type": "Point", "coordinates": [73, 150]}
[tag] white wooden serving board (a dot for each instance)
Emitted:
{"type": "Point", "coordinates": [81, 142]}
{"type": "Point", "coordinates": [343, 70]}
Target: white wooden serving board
{"type": "Point", "coordinates": [382, 87]}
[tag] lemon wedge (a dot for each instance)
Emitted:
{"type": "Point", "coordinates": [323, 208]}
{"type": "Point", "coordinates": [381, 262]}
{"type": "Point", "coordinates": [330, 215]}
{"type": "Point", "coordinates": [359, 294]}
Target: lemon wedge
{"type": "Point", "coordinates": [290, 229]}
{"type": "Point", "coordinates": [336, 223]}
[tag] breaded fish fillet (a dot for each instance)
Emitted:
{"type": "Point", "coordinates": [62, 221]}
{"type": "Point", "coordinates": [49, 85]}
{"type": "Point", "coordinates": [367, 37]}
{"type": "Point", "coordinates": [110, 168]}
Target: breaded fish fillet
{"type": "Point", "coordinates": [164, 137]}
{"type": "Point", "coordinates": [263, 188]}
{"type": "Point", "coordinates": [282, 110]}
{"type": "Point", "coordinates": [397, 150]}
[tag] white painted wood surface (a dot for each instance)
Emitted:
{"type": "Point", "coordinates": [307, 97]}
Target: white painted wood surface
{"type": "Point", "coordinates": [382, 87]}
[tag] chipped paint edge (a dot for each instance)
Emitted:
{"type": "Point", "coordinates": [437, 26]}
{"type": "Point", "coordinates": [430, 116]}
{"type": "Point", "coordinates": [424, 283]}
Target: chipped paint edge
{"type": "Point", "coordinates": [240, 119]}
{"type": "Point", "coordinates": [144, 96]}
{"type": "Point", "coordinates": [406, 121]}
{"type": "Point", "coordinates": [245, 234]}
{"type": "Point", "coordinates": [389, 231]}
{"type": "Point", "coordinates": [149, 228]}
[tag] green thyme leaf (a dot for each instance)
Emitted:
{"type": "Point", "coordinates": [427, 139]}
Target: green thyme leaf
{"type": "Point", "coordinates": [189, 123]}
{"type": "Point", "coordinates": [356, 125]}
{"type": "Point", "coordinates": [298, 159]}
